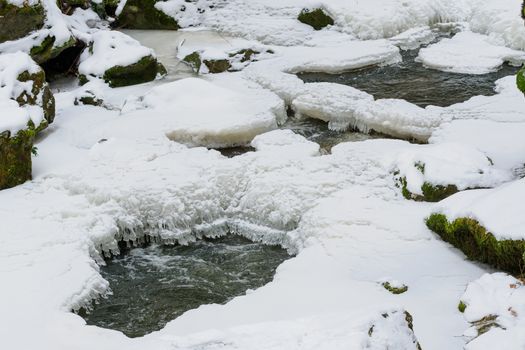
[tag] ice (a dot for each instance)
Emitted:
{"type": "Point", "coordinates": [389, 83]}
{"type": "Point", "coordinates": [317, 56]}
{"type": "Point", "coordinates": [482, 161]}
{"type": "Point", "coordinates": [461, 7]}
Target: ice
{"type": "Point", "coordinates": [468, 53]}
{"type": "Point", "coordinates": [285, 142]}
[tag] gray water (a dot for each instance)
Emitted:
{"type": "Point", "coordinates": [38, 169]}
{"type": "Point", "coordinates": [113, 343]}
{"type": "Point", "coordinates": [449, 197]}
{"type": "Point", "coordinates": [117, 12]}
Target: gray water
{"type": "Point", "coordinates": [411, 81]}
{"type": "Point", "coordinates": [156, 284]}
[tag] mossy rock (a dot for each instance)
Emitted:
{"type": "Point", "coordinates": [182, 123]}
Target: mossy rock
{"type": "Point", "coordinates": [15, 157]}
{"type": "Point", "coordinates": [88, 99]}
{"type": "Point", "coordinates": [146, 69]}
{"type": "Point", "coordinates": [47, 51]}
{"type": "Point", "coordinates": [462, 307]}
{"type": "Point", "coordinates": [520, 79]}
{"type": "Point", "coordinates": [17, 22]}
{"type": "Point", "coordinates": [141, 14]}
{"type": "Point", "coordinates": [194, 61]}
{"type": "Point", "coordinates": [317, 18]}
{"type": "Point", "coordinates": [478, 244]}
{"type": "Point", "coordinates": [431, 193]}
{"type": "Point", "coordinates": [40, 89]}
{"type": "Point", "coordinates": [217, 66]}
{"type": "Point", "coordinates": [394, 290]}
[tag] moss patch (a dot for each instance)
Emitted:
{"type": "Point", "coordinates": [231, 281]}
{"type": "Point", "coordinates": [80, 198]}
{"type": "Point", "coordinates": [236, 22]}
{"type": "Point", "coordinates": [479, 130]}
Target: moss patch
{"type": "Point", "coordinates": [479, 244]}
{"type": "Point", "coordinates": [394, 290]}
{"type": "Point", "coordinates": [17, 22]}
{"type": "Point", "coordinates": [15, 158]}
{"type": "Point", "coordinates": [520, 79]}
{"type": "Point", "coordinates": [39, 90]}
{"type": "Point", "coordinates": [431, 193]}
{"type": "Point", "coordinates": [146, 69]}
{"type": "Point", "coordinates": [316, 18]}
{"type": "Point", "coordinates": [142, 14]}
{"type": "Point", "coordinates": [217, 66]}
{"type": "Point", "coordinates": [462, 307]}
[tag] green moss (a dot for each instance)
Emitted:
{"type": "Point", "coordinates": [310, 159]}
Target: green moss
{"type": "Point", "coordinates": [142, 14]}
{"type": "Point", "coordinates": [146, 69]}
{"type": "Point", "coordinates": [46, 50]}
{"type": "Point", "coordinates": [15, 158]}
{"type": "Point", "coordinates": [462, 307]}
{"type": "Point", "coordinates": [479, 244]}
{"type": "Point", "coordinates": [394, 290]}
{"type": "Point", "coordinates": [520, 79]}
{"type": "Point", "coordinates": [431, 193]}
{"type": "Point", "coordinates": [17, 22]}
{"type": "Point", "coordinates": [316, 18]}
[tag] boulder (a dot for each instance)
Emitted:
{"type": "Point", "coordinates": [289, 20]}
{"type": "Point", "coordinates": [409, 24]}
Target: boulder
{"type": "Point", "coordinates": [17, 22]}
{"type": "Point", "coordinates": [317, 18]}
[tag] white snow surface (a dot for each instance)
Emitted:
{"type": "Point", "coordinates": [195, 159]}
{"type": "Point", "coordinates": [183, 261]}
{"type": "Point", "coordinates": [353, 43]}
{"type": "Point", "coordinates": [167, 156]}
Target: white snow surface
{"type": "Point", "coordinates": [13, 117]}
{"type": "Point", "coordinates": [502, 296]}
{"type": "Point", "coordinates": [468, 53]}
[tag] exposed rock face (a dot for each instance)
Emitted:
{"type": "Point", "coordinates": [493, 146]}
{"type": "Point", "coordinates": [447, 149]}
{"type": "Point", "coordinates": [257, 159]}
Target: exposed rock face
{"type": "Point", "coordinates": [141, 14]}
{"type": "Point", "coordinates": [15, 158]}
{"type": "Point", "coordinates": [146, 69]}
{"type": "Point", "coordinates": [317, 18]}
{"type": "Point", "coordinates": [478, 244]}
{"type": "Point", "coordinates": [17, 22]}
{"type": "Point", "coordinates": [40, 95]}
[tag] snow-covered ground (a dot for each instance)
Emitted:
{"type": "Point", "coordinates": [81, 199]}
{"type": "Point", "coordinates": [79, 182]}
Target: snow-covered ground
{"type": "Point", "coordinates": [134, 166]}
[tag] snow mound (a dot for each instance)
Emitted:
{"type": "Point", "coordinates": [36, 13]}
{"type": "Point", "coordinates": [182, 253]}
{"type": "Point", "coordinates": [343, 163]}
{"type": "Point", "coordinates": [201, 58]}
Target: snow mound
{"type": "Point", "coordinates": [199, 113]}
{"type": "Point", "coordinates": [448, 164]}
{"type": "Point", "coordinates": [468, 53]}
{"type": "Point", "coordinates": [285, 142]}
{"type": "Point", "coordinates": [496, 301]}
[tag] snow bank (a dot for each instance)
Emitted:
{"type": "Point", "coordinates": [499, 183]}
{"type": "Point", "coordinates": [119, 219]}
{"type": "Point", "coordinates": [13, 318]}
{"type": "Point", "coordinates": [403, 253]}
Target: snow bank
{"type": "Point", "coordinates": [468, 53]}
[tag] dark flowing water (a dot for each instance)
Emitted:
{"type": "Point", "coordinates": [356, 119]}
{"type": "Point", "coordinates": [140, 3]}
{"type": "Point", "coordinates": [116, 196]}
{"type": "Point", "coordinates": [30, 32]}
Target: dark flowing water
{"type": "Point", "coordinates": [156, 284]}
{"type": "Point", "coordinates": [412, 82]}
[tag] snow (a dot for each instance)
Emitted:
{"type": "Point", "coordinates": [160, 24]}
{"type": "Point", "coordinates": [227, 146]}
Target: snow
{"type": "Point", "coordinates": [110, 49]}
{"type": "Point", "coordinates": [15, 118]}
{"type": "Point", "coordinates": [502, 296]}
{"type": "Point", "coordinates": [468, 53]}
{"type": "Point", "coordinates": [137, 167]}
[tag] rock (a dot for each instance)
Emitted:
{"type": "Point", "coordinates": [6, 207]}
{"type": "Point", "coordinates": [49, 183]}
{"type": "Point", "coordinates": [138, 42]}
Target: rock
{"type": "Point", "coordinates": [395, 288]}
{"type": "Point", "coordinates": [17, 22]}
{"type": "Point", "coordinates": [29, 107]}
{"type": "Point", "coordinates": [317, 18]}
{"type": "Point", "coordinates": [119, 60]}
{"type": "Point", "coordinates": [235, 60]}
{"type": "Point", "coordinates": [47, 49]}
{"type": "Point", "coordinates": [141, 14]}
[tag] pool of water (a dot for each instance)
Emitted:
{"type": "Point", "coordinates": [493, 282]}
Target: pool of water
{"type": "Point", "coordinates": [411, 81]}
{"type": "Point", "coordinates": [156, 284]}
